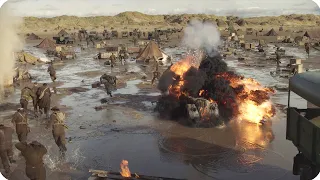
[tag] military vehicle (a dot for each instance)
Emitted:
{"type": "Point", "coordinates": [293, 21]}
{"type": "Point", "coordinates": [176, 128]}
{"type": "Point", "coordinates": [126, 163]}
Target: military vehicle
{"type": "Point", "coordinates": [63, 40]}
{"type": "Point", "coordinates": [303, 125]}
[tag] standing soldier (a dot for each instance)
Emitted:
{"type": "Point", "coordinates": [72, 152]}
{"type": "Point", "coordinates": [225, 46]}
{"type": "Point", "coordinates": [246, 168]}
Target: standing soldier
{"type": "Point", "coordinates": [112, 59]}
{"type": "Point", "coordinates": [20, 119]}
{"type": "Point", "coordinates": [26, 95]}
{"type": "Point", "coordinates": [3, 153]}
{"type": "Point", "coordinates": [36, 98]}
{"type": "Point", "coordinates": [52, 72]}
{"type": "Point", "coordinates": [156, 73]}
{"type": "Point", "coordinates": [44, 95]}
{"type": "Point", "coordinates": [307, 48]}
{"type": "Point", "coordinates": [33, 154]}
{"type": "Point", "coordinates": [57, 122]}
{"type": "Point", "coordinates": [8, 131]}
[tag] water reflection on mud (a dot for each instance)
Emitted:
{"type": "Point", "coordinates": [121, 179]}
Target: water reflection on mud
{"type": "Point", "coordinates": [238, 149]}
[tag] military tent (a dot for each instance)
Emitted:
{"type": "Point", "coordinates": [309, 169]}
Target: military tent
{"type": "Point", "coordinates": [28, 58]}
{"type": "Point", "coordinates": [63, 33]}
{"type": "Point", "coordinates": [241, 22]}
{"type": "Point", "coordinates": [47, 44]}
{"type": "Point", "coordinates": [272, 32]}
{"type": "Point", "coordinates": [150, 51]}
{"type": "Point", "coordinates": [312, 34]}
{"type": "Point", "coordinates": [221, 23]}
{"type": "Point", "coordinates": [32, 36]}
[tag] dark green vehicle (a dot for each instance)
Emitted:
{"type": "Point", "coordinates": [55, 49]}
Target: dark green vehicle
{"type": "Point", "coordinates": [303, 125]}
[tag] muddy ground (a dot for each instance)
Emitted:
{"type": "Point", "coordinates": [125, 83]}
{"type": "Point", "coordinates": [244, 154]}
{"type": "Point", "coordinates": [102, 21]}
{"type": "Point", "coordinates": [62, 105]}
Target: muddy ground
{"type": "Point", "coordinates": [102, 133]}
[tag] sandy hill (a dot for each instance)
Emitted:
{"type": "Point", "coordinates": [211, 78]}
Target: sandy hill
{"type": "Point", "coordinates": [137, 19]}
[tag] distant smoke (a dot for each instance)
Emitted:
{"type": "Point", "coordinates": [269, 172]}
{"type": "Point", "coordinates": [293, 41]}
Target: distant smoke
{"type": "Point", "coordinates": [9, 43]}
{"type": "Point", "coordinates": [202, 35]}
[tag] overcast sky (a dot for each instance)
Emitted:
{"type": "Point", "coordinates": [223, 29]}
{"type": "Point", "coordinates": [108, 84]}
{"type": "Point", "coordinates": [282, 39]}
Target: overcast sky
{"type": "Point", "coordinates": [49, 8]}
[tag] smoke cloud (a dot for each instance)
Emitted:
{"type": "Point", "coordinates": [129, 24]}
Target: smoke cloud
{"type": "Point", "coordinates": [10, 43]}
{"type": "Point", "coordinates": [202, 35]}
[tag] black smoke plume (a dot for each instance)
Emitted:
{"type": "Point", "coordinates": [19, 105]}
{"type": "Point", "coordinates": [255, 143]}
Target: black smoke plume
{"type": "Point", "coordinates": [203, 78]}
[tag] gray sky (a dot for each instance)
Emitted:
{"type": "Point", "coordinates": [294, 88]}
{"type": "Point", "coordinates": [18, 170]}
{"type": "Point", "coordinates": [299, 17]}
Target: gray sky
{"type": "Point", "coordinates": [49, 8]}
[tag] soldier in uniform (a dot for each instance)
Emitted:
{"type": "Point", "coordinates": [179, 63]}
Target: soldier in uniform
{"type": "Point", "coordinates": [307, 48]}
{"type": "Point", "coordinates": [57, 122]}
{"type": "Point", "coordinates": [156, 72]}
{"type": "Point", "coordinates": [36, 98]}
{"type": "Point", "coordinates": [33, 154]}
{"type": "Point", "coordinates": [113, 60]}
{"type": "Point", "coordinates": [3, 153]}
{"type": "Point", "coordinates": [52, 72]}
{"type": "Point", "coordinates": [26, 95]}
{"type": "Point", "coordinates": [44, 95]}
{"type": "Point", "coordinates": [8, 131]}
{"type": "Point", "coordinates": [278, 57]}
{"type": "Point", "coordinates": [20, 119]}
{"type": "Point", "coordinates": [109, 82]}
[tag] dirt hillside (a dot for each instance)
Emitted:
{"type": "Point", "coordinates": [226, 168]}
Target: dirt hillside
{"type": "Point", "coordinates": [129, 20]}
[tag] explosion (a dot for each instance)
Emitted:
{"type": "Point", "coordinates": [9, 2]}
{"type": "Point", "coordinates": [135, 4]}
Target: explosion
{"type": "Point", "coordinates": [239, 98]}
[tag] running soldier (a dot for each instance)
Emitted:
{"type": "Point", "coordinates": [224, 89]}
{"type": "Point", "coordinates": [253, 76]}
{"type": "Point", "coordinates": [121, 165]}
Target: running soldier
{"type": "Point", "coordinates": [307, 48]}
{"type": "Point", "coordinates": [8, 131]}
{"type": "Point", "coordinates": [26, 96]}
{"type": "Point", "coordinates": [57, 123]}
{"type": "Point", "coordinates": [44, 95]}
{"type": "Point", "coordinates": [52, 72]}
{"type": "Point", "coordinates": [109, 82]}
{"type": "Point", "coordinates": [113, 60]}
{"type": "Point", "coordinates": [278, 57]}
{"type": "Point", "coordinates": [20, 119]}
{"type": "Point", "coordinates": [36, 98]}
{"type": "Point", "coordinates": [3, 153]}
{"type": "Point", "coordinates": [156, 73]}
{"type": "Point", "coordinates": [33, 154]}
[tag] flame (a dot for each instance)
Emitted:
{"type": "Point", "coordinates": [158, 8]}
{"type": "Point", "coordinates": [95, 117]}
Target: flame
{"type": "Point", "coordinates": [125, 172]}
{"type": "Point", "coordinates": [180, 68]}
{"type": "Point", "coordinates": [252, 98]}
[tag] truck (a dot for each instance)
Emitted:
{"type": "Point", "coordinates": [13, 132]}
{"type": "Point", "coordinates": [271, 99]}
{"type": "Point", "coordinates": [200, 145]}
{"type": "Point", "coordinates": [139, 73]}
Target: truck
{"type": "Point", "coordinates": [63, 40]}
{"type": "Point", "coordinates": [303, 124]}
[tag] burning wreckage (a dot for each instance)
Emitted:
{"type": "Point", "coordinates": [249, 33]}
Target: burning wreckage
{"type": "Point", "coordinates": [208, 94]}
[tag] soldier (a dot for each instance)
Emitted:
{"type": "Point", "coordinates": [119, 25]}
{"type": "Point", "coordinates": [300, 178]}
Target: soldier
{"type": "Point", "coordinates": [278, 57]}
{"type": "Point", "coordinates": [20, 119]}
{"type": "Point", "coordinates": [26, 95]}
{"type": "Point", "coordinates": [8, 131]}
{"type": "Point", "coordinates": [57, 122]}
{"type": "Point", "coordinates": [156, 72]}
{"type": "Point", "coordinates": [307, 48]}
{"type": "Point", "coordinates": [109, 83]}
{"type": "Point", "coordinates": [52, 72]}
{"type": "Point", "coordinates": [44, 94]}
{"type": "Point", "coordinates": [33, 154]}
{"type": "Point", "coordinates": [3, 153]}
{"type": "Point", "coordinates": [112, 59]}
{"type": "Point", "coordinates": [36, 98]}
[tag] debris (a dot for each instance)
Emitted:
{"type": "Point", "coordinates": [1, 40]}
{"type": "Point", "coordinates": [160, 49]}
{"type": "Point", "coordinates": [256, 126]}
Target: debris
{"type": "Point", "coordinates": [116, 130]}
{"type": "Point", "coordinates": [104, 100]}
{"type": "Point", "coordinates": [82, 127]}
{"type": "Point", "coordinates": [96, 84]}
{"type": "Point", "coordinates": [99, 108]}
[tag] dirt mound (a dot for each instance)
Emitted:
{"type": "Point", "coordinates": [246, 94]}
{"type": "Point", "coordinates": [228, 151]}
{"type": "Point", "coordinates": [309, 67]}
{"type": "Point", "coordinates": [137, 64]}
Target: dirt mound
{"type": "Point", "coordinates": [137, 18]}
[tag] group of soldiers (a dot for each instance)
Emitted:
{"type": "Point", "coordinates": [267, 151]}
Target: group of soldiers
{"type": "Point", "coordinates": [32, 152]}
{"type": "Point", "coordinates": [278, 57]}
